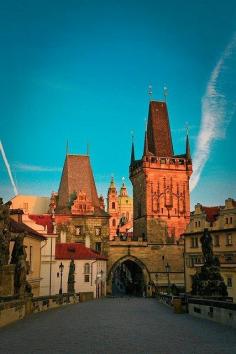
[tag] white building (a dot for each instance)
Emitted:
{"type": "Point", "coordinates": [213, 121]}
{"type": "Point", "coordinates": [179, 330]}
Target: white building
{"type": "Point", "coordinates": [90, 268]}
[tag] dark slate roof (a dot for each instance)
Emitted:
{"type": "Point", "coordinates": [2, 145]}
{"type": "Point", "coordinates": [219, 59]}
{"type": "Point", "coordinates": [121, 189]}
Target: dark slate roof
{"type": "Point", "coordinates": [77, 176]}
{"type": "Point", "coordinates": [76, 251]}
{"type": "Point", "coordinates": [158, 130]}
{"type": "Point", "coordinates": [20, 227]}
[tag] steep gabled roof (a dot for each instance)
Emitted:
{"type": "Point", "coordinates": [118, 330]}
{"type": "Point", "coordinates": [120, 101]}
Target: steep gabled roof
{"type": "Point", "coordinates": [158, 130]}
{"type": "Point", "coordinates": [77, 176]}
{"type": "Point", "coordinates": [76, 251]}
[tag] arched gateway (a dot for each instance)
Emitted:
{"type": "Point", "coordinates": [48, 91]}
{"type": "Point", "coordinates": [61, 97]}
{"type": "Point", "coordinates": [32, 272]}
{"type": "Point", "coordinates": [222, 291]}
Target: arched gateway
{"type": "Point", "coordinates": [128, 276]}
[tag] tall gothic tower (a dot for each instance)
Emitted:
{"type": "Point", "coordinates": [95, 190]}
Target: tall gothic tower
{"type": "Point", "coordinates": [160, 182]}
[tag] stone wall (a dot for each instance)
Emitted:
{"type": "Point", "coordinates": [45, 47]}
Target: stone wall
{"type": "Point", "coordinates": [14, 309]}
{"type": "Point", "coordinates": [218, 311]}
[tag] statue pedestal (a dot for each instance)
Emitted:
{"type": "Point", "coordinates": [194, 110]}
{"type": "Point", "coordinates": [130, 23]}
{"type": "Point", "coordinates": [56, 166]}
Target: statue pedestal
{"type": "Point", "coordinates": [7, 280]}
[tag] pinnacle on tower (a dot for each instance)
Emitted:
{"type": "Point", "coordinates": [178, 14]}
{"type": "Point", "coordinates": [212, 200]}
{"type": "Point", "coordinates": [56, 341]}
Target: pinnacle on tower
{"type": "Point", "coordinates": [132, 159]}
{"type": "Point", "coordinates": [188, 154]}
{"type": "Point", "coordinates": [145, 148]}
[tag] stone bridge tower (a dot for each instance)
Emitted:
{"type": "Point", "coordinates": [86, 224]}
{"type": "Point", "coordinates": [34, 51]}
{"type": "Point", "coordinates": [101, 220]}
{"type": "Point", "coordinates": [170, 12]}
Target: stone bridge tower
{"type": "Point", "coordinates": [160, 182]}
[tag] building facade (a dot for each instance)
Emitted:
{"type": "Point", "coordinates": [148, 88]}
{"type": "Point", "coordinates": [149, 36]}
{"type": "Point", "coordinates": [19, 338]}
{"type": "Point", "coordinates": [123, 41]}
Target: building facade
{"type": "Point", "coordinates": [221, 223]}
{"type": "Point", "coordinates": [120, 209]}
{"type": "Point", "coordinates": [161, 212]}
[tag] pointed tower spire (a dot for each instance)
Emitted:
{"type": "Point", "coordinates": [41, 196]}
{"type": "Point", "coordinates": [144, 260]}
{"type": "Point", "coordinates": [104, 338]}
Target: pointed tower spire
{"type": "Point", "coordinates": [132, 159]}
{"type": "Point", "coordinates": [188, 153]}
{"type": "Point", "coordinates": [158, 130]}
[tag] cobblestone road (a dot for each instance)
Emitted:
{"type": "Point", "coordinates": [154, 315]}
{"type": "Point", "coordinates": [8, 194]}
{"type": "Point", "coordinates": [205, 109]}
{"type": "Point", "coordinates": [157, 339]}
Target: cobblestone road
{"type": "Point", "coordinates": [116, 326]}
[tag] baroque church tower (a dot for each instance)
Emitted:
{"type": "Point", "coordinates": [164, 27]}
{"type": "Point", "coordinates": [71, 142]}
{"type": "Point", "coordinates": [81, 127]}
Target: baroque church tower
{"type": "Point", "coordinates": [112, 208]}
{"type": "Point", "coordinates": [160, 182]}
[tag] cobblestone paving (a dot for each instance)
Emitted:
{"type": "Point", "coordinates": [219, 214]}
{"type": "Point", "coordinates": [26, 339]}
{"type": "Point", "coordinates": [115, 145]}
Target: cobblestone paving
{"type": "Point", "coordinates": [116, 326]}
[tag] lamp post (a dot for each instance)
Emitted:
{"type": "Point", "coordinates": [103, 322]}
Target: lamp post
{"type": "Point", "coordinates": [61, 267]}
{"type": "Point", "coordinates": [168, 275]}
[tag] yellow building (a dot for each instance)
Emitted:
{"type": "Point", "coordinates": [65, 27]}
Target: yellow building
{"type": "Point", "coordinates": [120, 209]}
{"type": "Point", "coordinates": [32, 242]}
{"type": "Point", "coordinates": [31, 204]}
{"type": "Point", "coordinates": [221, 223]}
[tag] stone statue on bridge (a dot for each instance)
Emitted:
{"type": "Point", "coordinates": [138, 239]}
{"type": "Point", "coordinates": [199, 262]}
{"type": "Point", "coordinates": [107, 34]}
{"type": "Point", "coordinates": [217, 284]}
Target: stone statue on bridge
{"type": "Point", "coordinates": [208, 281]}
{"type": "Point", "coordinates": [21, 285]}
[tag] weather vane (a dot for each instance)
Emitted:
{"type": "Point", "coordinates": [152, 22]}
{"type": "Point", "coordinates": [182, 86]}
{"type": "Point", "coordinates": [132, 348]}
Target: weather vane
{"type": "Point", "coordinates": [150, 92]}
{"type": "Point", "coordinates": [165, 91]}
{"type": "Point", "coordinates": [187, 128]}
{"type": "Point", "coordinates": [132, 135]}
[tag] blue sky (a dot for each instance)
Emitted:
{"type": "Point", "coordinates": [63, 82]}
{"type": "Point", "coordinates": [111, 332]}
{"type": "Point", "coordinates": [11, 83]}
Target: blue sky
{"type": "Point", "coordinates": [80, 70]}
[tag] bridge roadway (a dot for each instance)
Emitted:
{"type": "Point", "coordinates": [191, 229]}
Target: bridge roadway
{"type": "Point", "coordinates": [116, 326]}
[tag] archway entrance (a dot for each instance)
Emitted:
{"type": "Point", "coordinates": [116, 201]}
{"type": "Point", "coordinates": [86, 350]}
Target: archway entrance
{"type": "Point", "coordinates": [128, 279]}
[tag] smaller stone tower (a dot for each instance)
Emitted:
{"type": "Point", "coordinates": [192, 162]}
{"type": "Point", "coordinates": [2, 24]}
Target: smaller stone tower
{"type": "Point", "coordinates": [112, 208]}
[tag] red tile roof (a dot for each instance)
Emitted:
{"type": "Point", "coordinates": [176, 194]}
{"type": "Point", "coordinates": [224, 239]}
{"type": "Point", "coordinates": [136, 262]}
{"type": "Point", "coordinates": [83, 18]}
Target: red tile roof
{"type": "Point", "coordinates": [76, 251]}
{"type": "Point", "coordinates": [158, 130]}
{"type": "Point", "coordinates": [211, 212]}
{"type": "Point", "coordinates": [44, 220]}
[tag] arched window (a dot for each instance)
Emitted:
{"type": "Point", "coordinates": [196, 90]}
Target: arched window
{"type": "Point", "coordinates": [113, 222]}
{"type": "Point", "coordinates": [86, 268]}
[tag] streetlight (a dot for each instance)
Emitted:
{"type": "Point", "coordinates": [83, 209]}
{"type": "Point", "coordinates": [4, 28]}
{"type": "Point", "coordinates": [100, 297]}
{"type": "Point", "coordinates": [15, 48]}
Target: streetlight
{"type": "Point", "coordinates": [168, 275]}
{"type": "Point", "coordinates": [61, 267]}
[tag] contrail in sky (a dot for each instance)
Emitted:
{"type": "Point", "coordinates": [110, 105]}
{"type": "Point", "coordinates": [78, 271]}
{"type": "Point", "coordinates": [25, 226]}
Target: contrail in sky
{"type": "Point", "coordinates": [8, 168]}
{"type": "Point", "coordinates": [215, 115]}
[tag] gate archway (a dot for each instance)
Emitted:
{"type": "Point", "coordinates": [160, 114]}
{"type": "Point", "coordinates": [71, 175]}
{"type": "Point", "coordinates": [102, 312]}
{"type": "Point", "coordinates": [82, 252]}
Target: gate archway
{"type": "Point", "coordinates": [128, 276]}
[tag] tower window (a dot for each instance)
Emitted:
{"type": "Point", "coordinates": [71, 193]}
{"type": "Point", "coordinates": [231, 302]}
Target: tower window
{"type": "Point", "coordinates": [113, 222]}
{"type": "Point", "coordinates": [113, 205]}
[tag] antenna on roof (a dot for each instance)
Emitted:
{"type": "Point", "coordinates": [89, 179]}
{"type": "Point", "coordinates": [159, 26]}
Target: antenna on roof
{"type": "Point", "coordinates": [87, 149]}
{"type": "Point", "coordinates": [150, 92]}
{"type": "Point", "coordinates": [132, 136]}
{"type": "Point", "coordinates": [165, 92]}
{"type": "Point", "coordinates": [187, 128]}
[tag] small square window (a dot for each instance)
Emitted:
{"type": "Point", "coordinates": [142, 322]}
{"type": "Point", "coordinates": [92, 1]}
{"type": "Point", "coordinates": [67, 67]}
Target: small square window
{"type": "Point", "coordinates": [78, 230]}
{"type": "Point", "coordinates": [86, 278]}
{"type": "Point", "coordinates": [97, 231]}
